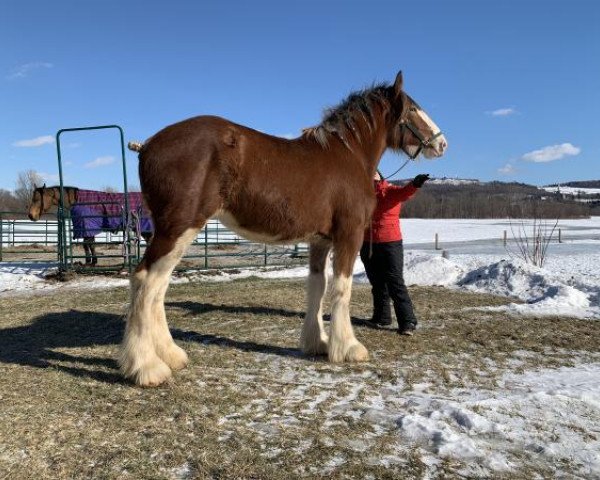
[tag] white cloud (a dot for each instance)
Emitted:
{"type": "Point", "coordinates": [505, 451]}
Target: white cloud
{"type": "Point", "coordinates": [507, 169]}
{"type": "Point", "coordinates": [22, 71]}
{"type": "Point", "coordinates": [289, 136]}
{"type": "Point", "coordinates": [100, 162]}
{"type": "Point", "coordinates": [551, 153]}
{"type": "Point", "coordinates": [35, 142]}
{"type": "Point", "coordinates": [502, 112]}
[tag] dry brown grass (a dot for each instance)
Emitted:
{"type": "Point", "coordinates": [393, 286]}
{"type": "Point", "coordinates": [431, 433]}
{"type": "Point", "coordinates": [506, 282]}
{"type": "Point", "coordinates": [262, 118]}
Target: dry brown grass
{"type": "Point", "coordinates": [249, 405]}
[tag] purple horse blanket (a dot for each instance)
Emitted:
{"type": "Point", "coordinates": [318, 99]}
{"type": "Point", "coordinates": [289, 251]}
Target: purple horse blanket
{"type": "Point", "coordinates": [95, 212]}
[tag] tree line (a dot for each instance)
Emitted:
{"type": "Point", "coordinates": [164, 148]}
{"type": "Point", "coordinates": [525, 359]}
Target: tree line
{"type": "Point", "coordinates": [18, 199]}
{"type": "Point", "coordinates": [494, 200]}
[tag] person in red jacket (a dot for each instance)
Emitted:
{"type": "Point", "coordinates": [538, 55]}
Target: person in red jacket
{"type": "Point", "coordinates": [383, 255]}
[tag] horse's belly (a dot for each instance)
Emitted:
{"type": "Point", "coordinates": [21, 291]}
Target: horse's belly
{"type": "Point", "coordinates": [229, 220]}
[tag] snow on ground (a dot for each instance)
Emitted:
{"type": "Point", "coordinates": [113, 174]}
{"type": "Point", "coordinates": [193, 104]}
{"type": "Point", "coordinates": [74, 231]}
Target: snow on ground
{"type": "Point", "coordinates": [417, 230]}
{"type": "Point", "coordinates": [547, 417]}
{"type": "Point", "coordinates": [572, 190]}
{"type": "Point", "coordinates": [26, 277]}
{"type": "Point", "coordinates": [493, 427]}
{"type": "Point", "coordinates": [550, 416]}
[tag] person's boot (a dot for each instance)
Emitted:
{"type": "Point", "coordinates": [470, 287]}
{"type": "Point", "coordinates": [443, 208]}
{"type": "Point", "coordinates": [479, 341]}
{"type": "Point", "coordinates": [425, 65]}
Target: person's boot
{"type": "Point", "coordinates": [382, 316]}
{"type": "Point", "coordinates": [407, 328]}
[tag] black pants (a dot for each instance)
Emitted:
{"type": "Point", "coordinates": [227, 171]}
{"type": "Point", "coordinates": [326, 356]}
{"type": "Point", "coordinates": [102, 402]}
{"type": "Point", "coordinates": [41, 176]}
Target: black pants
{"type": "Point", "coordinates": [385, 272]}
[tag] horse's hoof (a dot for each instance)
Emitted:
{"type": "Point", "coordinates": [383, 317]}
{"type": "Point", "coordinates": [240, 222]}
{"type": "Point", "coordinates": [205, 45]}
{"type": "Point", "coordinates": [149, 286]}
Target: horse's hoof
{"type": "Point", "coordinates": [320, 347]}
{"type": "Point", "coordinates": [150, 374]}
{"type": "Point", "coordinates": [355, 352]}
{"type": "Point", "coordinates": [174, 356]}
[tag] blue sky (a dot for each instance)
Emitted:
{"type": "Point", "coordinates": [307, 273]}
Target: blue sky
{"type": "Point", "coordinates": [514, 85]}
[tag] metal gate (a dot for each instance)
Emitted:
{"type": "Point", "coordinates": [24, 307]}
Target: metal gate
{"type": "Point", "coordinates": [69, 260]}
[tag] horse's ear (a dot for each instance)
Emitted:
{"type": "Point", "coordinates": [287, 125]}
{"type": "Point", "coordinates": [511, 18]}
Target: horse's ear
{"type": "Point", "coordinates": [44, 185]}
{"type": "Point", "coordinates": [398, 83]}
{"type": "Point", "coordinates": [35, 186]}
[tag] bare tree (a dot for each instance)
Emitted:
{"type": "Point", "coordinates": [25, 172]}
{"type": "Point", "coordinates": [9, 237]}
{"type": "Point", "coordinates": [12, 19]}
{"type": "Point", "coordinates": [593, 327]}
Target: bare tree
{"type": "Point", "coordinates": [8, 202]}
{"type": "Point", "coordinates": [532, 249]}
{"type": "Point", "coordinates": [26, 183]}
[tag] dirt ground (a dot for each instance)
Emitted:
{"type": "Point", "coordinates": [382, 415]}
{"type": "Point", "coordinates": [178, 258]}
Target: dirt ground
{"type": "Point", "coordinates": [249, 405]}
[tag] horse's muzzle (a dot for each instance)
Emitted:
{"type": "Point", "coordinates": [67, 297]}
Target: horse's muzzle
{"type": "Point", "coordinates": [438, 146]}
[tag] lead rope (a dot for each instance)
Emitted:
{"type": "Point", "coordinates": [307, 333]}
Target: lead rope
{"type": "Point", "coordinates": [401, 167]}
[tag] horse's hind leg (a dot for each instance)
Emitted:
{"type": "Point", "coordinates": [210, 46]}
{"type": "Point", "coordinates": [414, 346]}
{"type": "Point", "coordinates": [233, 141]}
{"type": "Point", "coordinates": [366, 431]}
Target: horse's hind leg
{"type": "Point", "coordinates": [87, 250]}
{"type": "Point", "coordinates": [170, 353]}
{"type": "Point", "coordinates": [147, 337]}
{"type": "Point", "coordinates": [343, 345]}
{"type": "Point", "coordinates": [93, 251]}
{"type": "Point", "coordinates": [313, 340]}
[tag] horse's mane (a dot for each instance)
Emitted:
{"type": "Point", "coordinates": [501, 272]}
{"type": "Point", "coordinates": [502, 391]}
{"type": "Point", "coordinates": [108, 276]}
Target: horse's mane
{"type": "Point", "coordinates": [341, 120]}
{"type": "Point", "coordinates": [65, 187]}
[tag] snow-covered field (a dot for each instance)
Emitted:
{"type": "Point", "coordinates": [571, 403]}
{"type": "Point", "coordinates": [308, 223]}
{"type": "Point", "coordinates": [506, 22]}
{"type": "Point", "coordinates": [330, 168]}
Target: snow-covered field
{"type": "Point", "coordinates": [572, 190]}
{"type": "Point", "coordinates": [553, 414]}
{"type": "Point", "coordinates": [477, 261]}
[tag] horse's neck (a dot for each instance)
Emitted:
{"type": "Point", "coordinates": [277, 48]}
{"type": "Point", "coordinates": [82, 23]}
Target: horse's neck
{"type": "Point", "coordinates": [371, 144]}
{"type": "Point", "coordinates": [69, 196]}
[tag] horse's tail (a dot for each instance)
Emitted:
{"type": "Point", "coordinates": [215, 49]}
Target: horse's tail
{"type": "Point", "coordinates": [135, 146]}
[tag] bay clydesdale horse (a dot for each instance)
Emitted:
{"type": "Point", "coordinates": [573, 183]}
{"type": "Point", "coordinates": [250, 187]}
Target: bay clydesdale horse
{"type": "Point", "coordinates": [316, 188]}
{"type": "Point", "coordinates": [92, 212]}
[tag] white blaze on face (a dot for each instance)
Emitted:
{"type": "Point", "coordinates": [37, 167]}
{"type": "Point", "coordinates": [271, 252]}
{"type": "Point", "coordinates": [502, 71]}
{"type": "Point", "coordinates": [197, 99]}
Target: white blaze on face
{"type": "Point", "coordinates": [439, 144]}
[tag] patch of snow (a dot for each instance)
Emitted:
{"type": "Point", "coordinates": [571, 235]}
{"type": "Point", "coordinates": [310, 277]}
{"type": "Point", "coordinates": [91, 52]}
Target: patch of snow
{"type": "Point", "coordinates": [454, 181]}
{"type": "Point", "coordinates": [24, 277]}
{"type": "Point", "coordinates": [545, 418]}
{"type": "Point", "coordinates": [551, 416]}
{"type": "Point", "coordinates": [572, 190]}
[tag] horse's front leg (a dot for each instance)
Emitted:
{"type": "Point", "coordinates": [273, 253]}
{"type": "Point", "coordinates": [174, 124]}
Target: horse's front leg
{"type": "Point", "coordinates": [314, 339]}
{"type": "Point", "coordinates": [343, 345]}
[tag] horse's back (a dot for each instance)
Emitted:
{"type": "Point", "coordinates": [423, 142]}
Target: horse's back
{"type": "Point", "coordinates": [206, 165]}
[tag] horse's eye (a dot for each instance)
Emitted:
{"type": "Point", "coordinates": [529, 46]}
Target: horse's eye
{"type": "Point", "coordinates": [412, 109]}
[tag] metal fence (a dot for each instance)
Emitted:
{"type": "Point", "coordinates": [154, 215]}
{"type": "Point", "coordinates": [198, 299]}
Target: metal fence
{"type": "Point", "coordinates": [215, 247]}
{"type": "Point", "coordinates": [22, 239]}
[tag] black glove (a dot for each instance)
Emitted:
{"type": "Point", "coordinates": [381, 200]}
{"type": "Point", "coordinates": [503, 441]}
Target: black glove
{"type": "Point", "coordinates": [419, 180]}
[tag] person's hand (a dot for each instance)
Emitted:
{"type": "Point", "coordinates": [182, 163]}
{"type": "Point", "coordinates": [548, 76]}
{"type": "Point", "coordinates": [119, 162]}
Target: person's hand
{"type": "Point", "coordinates": [419, 180]}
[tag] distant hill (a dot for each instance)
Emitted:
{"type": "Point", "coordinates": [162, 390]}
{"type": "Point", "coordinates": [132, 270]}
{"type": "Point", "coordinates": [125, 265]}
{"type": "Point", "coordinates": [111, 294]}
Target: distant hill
{"type": "Point", "coordinates": [578, 184]}
{"type": "Point", "coordinates": [468, 198]}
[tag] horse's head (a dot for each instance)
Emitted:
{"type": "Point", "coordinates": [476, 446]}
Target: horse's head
{"type": "Point", "coordinates": [411, 129]}
{"type": "Point", "coordinates": [43, 199]}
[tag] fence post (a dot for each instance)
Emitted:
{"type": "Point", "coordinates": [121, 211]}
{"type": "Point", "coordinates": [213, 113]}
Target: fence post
{"type": "Point", "coordinates": [437, 246]}
{"type": "Point", "coordinates": [206, 246]}
{"type": "Point", "coordinates": [505, 238]}
{"type": "Point", "coordinates": [559, 235]}
{"type": "Point", "coordinates": [266, 255]}
{"type": "Point", "coordinates": [1, 235]}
